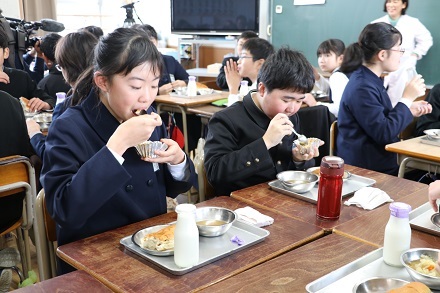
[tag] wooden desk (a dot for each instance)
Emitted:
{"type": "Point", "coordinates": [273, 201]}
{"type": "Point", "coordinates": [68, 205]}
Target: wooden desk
{"type": "Point", "coordinates": [264, 197]}
{"type": "Point", "coordinates": [373, 232]}
{"type": "Point", "coordinates": [181, 104]}
{"type": "Point", "coordinates": [292, 271]}
{"type": "Point", "coordinates": [104, 258]}
{"type": "Point", "coordinates": [77, 281]}
{"type": "Point", "coordinates": [415, 154]}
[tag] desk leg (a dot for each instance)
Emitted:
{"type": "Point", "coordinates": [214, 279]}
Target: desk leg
{"type": "Point", "coordinates": [418, 164]}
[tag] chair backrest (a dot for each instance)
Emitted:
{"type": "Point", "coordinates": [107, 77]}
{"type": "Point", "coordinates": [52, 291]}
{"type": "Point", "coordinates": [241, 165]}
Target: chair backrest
{"type": "Point", "coordinates": [333, 136]}
{"type": "Point", "coordinates": [45, 236]}
{"type": "Point", "coordinates": [17, 175]}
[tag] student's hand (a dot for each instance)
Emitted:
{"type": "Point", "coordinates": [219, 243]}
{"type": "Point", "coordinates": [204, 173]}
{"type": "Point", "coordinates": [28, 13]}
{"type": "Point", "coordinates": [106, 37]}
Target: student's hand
{"type": "Point", "coordinates": [316, 74]}
{"type": "Point", "coordinates": [36, 104]}
{"type": "Point", "coordinates": [415, 88]}
{"type": "Point", "coordinates": [297, 157]}
{"type": "Point", "coordinates": [178, 83]}
{"type": "Point", "coordinates": [133, 132]}
{"type": "Point", "coordinates": [309, 100]}
{"type": "Point", "coordinates": [173, 155]}
{"type": "Point", "coordinates": [165, 89]}
{"type": "Point", "coordinates": [32, 127]}
{"type": "Point", "coordinates": [434, 194]}
{"type": "Point", "coordinates": [233, 78]}
{"type": "Point", "coordinates": [4, 78]}
{"type": "Point", "coordinates": [279, 127]}
{"type": "Point", "coordinates": [420, 108]}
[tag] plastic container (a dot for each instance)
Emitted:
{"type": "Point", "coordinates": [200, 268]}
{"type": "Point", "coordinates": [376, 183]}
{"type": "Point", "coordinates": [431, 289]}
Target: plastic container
{"type": "Point", "coordinates": [186, 236]}
{"type": "Point", "coordinates": [397, 238]}
{"type": "Point", "coordinates": [330, 188]}
{"type": "Point", "coordinates": [191, 89]}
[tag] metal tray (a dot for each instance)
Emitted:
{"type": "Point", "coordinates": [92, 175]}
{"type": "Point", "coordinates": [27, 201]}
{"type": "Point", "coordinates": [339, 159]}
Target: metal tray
{"type": "Point", "coordinates": [345, 278]}
{"type": "Point", "coordinates": [420, 219]}
{"type": "Point", "coordinates": [211, 248]}
{"type": "Point", "coordinates": [350, 186]}
{"type": "Point", "coordinates": [431, 141]}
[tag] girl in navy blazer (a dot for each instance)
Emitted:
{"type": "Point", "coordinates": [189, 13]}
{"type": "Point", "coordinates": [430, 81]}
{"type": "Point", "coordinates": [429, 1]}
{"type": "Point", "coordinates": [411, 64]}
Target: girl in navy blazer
{"type": "Point", "coordinates": [367, 121]}
{"type": "Point", "coordinates": [93, 178]}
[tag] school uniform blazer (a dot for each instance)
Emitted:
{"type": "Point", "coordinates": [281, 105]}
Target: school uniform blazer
{"type": "Point", "coordinates": [172, 67]}
{"type": "Point", "coordinates": [235, 153]}
{"type": "Point", "coordinates": [367, 122]}
{"type": "Point", "coordinates": [431, 120]}
{"type": "Point", "coordinates": [87, 190]}
{"type": "Point", "coordinates": [54, 83]}
{"type": "Point", "coordinates": [21, 85]}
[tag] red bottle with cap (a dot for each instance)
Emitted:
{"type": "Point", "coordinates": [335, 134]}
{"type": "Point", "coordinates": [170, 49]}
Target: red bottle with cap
{"type": "Point", "coordinates": [330, 188]}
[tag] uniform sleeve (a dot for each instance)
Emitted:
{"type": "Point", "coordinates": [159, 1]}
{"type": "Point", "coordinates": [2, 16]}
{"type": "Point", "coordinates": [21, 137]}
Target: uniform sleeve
{"type": "Point", "coordinates": [221, 78]}
{"type": "Point", "coordinates": [180, 72]}
{"type": "Point", "coordinates": [431, 120]}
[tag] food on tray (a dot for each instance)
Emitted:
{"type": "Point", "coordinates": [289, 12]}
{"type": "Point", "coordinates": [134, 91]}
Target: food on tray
{"type": "Point", "coordinates": [413, 287]}
{"type": "Point", "coordinates": [25, 104]}
{"type": "Point", "coordinates": [148, 148]}
{"type": "Point", "coordinates": [161, 240]}
{"type": "Point", "coordinates": [425, 265]}
{"type": "Point", "coordinates": [305, 148]}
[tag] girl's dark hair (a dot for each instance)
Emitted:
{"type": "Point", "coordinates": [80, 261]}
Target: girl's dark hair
{"type": "Point", "coordinates": [403, 10]}
{"type": "Point", "coordinates": [373, 38]}
{"type": "Point", "coordinates": [74, 53]}
{"type": "Point", "coordinates": [94, 30]}
{"type": "Point", "coordinates": [332, 45]}
{"type": "Point", "coordinates": [118, 52]}
{"type": "Point", "coordinates": [287, 69]}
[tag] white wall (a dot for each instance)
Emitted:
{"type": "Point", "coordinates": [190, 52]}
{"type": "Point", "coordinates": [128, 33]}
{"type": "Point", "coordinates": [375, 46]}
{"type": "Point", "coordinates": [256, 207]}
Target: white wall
{"type": "Point", "coordinates": [10, 8]}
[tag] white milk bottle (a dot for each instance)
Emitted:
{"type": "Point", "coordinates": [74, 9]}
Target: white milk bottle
{"type": "Point", "coordinates": [186, 236]}
{"type": "Point", "coordinates": [397, 238]}
{"type": "Point", "coordinates": [244, 89]}
{"type": "Point", "coordinates": [191, 89]}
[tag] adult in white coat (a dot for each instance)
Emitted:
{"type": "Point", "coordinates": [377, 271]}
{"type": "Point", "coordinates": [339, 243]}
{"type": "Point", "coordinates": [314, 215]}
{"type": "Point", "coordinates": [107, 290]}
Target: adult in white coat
{"type": "Point", "coordinates": [416, 42]}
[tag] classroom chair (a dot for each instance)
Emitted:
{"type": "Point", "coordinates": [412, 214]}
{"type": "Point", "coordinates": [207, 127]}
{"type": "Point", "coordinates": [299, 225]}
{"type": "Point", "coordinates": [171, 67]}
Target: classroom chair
{"type": "Point", "coordinates": [333, 136]}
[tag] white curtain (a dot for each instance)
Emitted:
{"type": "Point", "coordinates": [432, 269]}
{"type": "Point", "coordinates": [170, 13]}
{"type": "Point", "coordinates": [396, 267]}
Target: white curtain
{"type": "Point", "coordinates": [34, 10]}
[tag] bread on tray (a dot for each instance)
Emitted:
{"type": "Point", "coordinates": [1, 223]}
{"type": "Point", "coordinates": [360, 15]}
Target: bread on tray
{"type": "Point", "coordinates": [160, 240]}
{"type": "Point", "coordinates": [413, 287]}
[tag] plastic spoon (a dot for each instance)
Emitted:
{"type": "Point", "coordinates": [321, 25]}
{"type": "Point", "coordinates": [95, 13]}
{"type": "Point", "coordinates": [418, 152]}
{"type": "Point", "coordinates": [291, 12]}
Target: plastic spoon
{"type": "Point", "coordinates": [301, 137]}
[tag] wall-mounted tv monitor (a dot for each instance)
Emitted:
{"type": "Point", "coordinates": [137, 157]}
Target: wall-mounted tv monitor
{"type": "Point", "coordinates": [214, 17]}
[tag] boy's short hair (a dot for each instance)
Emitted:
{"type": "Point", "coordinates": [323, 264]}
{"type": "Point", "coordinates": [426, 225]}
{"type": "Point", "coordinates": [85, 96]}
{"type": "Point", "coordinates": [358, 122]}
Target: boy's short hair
{"type": "Point", "coordinates": [248, 35]}
{"type": "Point", "coordinates": [48, 44]}
{"type": "Point", "coordinates": [152, 33]}
{"type": "Point", "coordinates": [332, 45]}
{"type": "Point", "coordinates": [4, 39]}
{"type": "Point", "coordinates": [258, 48]}
{"type": "Point", "coordinates": [287, 69]}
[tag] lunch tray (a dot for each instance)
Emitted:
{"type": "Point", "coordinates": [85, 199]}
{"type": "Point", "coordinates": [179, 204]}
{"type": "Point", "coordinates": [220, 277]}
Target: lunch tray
{"type": "Point", "coordinates": [350, 185]}
{"type": "Point", "coordinates": [420, 219]}
{"type": "Point", "coordinates": [210, 248]}
{"type": "Point", "coordinates": [346, 277]}
{"type": "Point", "coordinates": [427, 140]}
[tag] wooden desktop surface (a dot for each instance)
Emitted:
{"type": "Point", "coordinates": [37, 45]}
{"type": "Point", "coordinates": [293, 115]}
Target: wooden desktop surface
{"type": "Point", "coordinates": [292, 271]}
{"type": "Point", "coordinates": [415, 148]}
{"type": "Point", "coordinates": [262, 196]}
{"type": "Point", "coordinates": [103, 257]}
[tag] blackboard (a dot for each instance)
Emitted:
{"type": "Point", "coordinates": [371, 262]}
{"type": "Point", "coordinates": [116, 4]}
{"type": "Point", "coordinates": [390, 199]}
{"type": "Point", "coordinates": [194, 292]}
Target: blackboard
{"type": "Point", "coordinates": [305, 27]}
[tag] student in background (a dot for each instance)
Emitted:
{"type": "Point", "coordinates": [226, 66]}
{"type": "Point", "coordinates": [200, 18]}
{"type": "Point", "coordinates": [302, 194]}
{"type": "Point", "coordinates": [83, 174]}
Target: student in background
{"type": "Point", "coordinates": [250, 142]}
{"type": "Point", "coordinates": [94, 30]}
{"type": "Point", "coordinates": [221, 77]}
{"type": "Point", "coordinates": [330, 55]}
{"type": "Point", "coordinates": [93, 178]}
{"type": "Point", "coordinates": [54, 82]}
{"type": "Point", "coordinates": [416, 41]}
{"type": "Point", "coordinates": [367, 121]}
{"type": "Point", "coordinates": [173, 75]}
{"type": "Point", "coordinates": [74, 53]}
{"type": "Point", "coordinates": [431, 120]}
{"type": "Point", "coordinates": [253, 55]}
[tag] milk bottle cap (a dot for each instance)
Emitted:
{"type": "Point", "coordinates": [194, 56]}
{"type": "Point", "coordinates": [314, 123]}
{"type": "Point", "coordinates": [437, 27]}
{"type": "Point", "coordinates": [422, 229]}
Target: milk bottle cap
{"type": "Point", "coordinates": [400, 209]}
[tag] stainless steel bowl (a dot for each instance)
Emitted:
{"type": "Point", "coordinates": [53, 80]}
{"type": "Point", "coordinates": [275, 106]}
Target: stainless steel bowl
{"type": "Point", "coordinates": [298, 181]}
{"type": "Point", "coordinates": [214, 221]}
{"type": "Point", "coordinates": [378, 285]}
{"type": "Point", "coordinates": [44, 120]}
{"type": "Point", "coordinates": [181, 90]}
{"type": "Point", "coordinates": [415, 254]}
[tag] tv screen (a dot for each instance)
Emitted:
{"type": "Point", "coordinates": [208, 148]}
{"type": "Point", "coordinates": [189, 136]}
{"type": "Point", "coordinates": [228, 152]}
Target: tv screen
{"type": "Point", "coordinates": [214, 17]}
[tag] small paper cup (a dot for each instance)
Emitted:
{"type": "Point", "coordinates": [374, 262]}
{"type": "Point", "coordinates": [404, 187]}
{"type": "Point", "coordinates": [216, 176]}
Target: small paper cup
{"type": "Point", "coordinates": [148, 148]}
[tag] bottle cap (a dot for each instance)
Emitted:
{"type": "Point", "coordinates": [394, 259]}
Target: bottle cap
{"type": "Point", "coordinates": [244, 82]}
{"type": "Point", "coordinates": [191, 77]}
{"type": "Point", "coordinates": [185, 208]}
{"type": "Point", "coordinates": [332, 165]}
{"type": "Point", "coordinates": [400, 209]}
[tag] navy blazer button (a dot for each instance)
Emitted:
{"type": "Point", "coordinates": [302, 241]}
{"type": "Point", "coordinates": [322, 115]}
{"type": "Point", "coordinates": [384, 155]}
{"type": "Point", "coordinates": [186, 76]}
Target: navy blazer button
{"type": "Point", "coordinates": [257, 160]}
{"type": "Point", "coordinates": [129, 187]}
{"type": "Point", "coordinates": [150, 182]}
{"type": "Point", "coordinates": [248, 163]}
